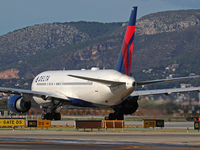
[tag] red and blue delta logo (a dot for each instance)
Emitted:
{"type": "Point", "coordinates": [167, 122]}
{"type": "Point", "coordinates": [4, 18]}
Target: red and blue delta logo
{"type": "Point", "coordinates": [42, 79]}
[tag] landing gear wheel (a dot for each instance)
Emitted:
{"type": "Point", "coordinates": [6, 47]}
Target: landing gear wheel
{"type": "Point", "coordinates": [52, 115]}
{"type": "Point", "coordinates": [44, 113]}
{"type": "Point", "coordinates": [43, 116]}
{"type": "Point", "coordinates": [57, 116]}
{"type": "Point", "coordinates": [115, 116]}
{"type": "Point", "coordinates": [49, 116]}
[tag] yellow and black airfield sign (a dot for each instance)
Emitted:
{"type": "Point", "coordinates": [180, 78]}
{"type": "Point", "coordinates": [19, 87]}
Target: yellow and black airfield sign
{"type": "Point", "coordinates": [159, 123]}
{"type": "Point", "coordinates": [43, 123]}
{"type": "Point", "coordinates": [12, 122]}
{"type": "Point", "coordinates": [39, 123]}
{"type": "Point", "coordinates": [149, 123]}
{"type": "Point", "coordinates": [196, 125]}
{"type": "Point", "coordinates": [153, 123]}
{"type": "Point", "coordinates": [32, 123]}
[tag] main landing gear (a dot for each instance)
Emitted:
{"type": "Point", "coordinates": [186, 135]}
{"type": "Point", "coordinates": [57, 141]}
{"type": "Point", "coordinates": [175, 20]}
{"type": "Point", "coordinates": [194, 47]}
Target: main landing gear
{"type": "Point", "coordinates": [116, 116]}
{"type": "Point", "coordinates": [53, 115]}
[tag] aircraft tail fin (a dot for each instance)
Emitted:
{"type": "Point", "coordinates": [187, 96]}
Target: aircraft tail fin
{"type": "Point", "coordinates": [125, 57]}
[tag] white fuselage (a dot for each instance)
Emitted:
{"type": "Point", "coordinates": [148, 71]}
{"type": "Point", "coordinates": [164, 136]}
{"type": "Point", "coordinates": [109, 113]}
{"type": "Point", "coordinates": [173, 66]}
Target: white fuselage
{"type": "Point", "coordinates": [75, 88]}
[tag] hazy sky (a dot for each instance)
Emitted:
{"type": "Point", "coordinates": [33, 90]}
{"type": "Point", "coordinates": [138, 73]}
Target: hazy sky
{"type": "Point", "coordinates": [16, 14]}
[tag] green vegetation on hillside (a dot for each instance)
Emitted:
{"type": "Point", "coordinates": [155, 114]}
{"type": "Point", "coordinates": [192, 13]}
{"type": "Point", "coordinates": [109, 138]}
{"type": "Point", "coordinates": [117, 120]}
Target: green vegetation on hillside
{"type": "Point", "coordinates": [170, 17]}
{"type": "Point", "coordinates": [95, 29]}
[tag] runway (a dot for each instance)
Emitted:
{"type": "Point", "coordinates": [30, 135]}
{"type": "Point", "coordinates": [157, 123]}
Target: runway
{"type": "Point", "coordinates": [74, 146]}
{"type": "Point", "coordinates": [140, 137]}
{"type": "Point", "coordinates": [85, 145]}
{"type": "Point", "coordinates": [8, 138]}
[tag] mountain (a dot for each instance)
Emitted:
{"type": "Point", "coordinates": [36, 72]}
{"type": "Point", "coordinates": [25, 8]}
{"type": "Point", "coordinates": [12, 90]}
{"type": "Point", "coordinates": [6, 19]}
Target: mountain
{"type": "Point", "coordinates": [167, 21]}
{"type": "Point", "coordinates": [161, 39]}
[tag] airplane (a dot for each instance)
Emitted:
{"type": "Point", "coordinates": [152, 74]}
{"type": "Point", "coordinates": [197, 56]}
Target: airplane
{"type": "Point", "coordinates": [113, 88]}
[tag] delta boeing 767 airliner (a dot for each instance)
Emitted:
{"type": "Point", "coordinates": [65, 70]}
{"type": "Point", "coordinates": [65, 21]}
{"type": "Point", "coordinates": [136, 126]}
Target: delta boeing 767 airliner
{"type": "Point", "coordinates": [89, 88]}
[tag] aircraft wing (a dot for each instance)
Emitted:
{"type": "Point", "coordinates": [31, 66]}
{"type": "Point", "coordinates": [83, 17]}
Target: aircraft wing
{"type": "Point", "coordinates": [44, 95]}
{"type": "Point", "coordinates": [164, 80]}
{"type": "Point", "coordinates": [165, 91]}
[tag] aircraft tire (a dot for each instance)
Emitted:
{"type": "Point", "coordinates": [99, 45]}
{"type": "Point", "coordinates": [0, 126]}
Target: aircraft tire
{"type": "Point", "coordinates": [49, 116]}
{"type": "Point", "coordinates": [57, 116]}
{"type": "Point", "coordinates": [120, 117]}
{"type": "Point", "coordinates": [43, 116]}
{"type": "Point", "coordinates": [114, 116]}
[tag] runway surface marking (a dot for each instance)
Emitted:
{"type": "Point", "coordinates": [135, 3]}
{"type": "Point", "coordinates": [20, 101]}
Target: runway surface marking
{"type": "Point", "coordinates": [126, 145]}
{"type": "Point", "coordinates": [73, 146]}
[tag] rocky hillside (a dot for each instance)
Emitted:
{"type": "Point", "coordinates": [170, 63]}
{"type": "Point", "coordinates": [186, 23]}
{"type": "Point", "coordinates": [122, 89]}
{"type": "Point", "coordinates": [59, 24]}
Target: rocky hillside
{"type": "Point", "coordinates": [20, 44]}
{"type": "Point", "coordinates": [160, 38]}
{"type": "Point", "coordinates": [167, 21]}
{"type": "Point", "coordinates": [9, 74]}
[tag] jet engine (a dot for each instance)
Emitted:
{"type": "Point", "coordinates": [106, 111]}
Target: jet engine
{"type": "Point", "coordinates": [18, 104]}
{"type": "Point", "coordinates": [129, 106]}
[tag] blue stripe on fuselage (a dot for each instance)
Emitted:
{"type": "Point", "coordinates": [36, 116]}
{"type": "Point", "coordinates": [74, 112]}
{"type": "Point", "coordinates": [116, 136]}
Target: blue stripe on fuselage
{"type": "Point", "coordinates": [82, 103]}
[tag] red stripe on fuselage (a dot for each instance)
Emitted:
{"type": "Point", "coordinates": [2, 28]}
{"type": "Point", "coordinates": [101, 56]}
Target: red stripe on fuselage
{"type": "Point", "coordinates": [129, 33]}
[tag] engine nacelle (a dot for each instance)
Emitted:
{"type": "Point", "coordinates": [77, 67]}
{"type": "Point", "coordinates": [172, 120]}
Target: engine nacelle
{"type": "Point", "coordinates": [18, 104]}
{"type": "Point", "coordinates": [129, 106]}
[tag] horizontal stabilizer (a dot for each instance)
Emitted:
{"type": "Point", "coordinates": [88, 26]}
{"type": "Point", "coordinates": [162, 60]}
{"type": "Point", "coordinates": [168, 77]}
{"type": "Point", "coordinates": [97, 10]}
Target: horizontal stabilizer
{"type": "Point", "coordinates": [102, 81]}
{"type": "Point", "coordinates": [164, 80]}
